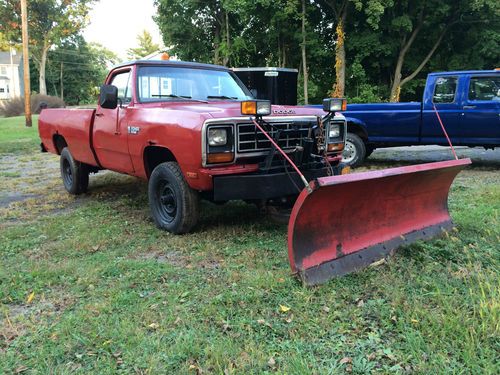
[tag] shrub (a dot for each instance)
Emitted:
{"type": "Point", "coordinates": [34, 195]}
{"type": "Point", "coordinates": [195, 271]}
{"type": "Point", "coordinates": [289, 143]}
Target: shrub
{"type": "Point", "coordinates": [15, 107]}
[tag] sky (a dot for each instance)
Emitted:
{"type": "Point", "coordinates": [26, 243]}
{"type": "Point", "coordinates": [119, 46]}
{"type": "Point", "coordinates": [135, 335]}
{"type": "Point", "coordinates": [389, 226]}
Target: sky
{"type": "Point", "coordinates": [116, 23]}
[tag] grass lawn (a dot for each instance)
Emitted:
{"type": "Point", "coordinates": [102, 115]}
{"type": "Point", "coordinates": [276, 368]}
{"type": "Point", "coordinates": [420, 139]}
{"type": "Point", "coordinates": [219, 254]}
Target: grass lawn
{"type": "Point", "coordinates": [89, 285]}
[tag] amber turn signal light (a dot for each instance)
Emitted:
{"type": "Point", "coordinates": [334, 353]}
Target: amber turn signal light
{"type": "Point", "coordinates": [335, 147]}
{"type": "Point", "coordinates": [220, 157]}
{"type": "Point", "coordinates": [256, 107]}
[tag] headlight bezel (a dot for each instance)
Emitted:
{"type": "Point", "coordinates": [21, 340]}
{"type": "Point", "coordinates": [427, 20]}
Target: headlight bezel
{"type": "Point", "coordinates": [222, 153]}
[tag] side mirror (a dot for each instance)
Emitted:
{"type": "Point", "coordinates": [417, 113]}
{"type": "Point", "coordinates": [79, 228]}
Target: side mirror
{"type": "Point", "coordinates": [108, 97]}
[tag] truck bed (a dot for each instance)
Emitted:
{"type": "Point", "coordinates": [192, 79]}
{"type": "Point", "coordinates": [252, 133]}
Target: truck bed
{"type": "Point", "coordinates": [74, 125]}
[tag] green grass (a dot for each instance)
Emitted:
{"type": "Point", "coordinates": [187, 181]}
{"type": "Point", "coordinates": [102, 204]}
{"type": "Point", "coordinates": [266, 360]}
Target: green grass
{"type": "Point", "coordinates": [89, 285]}
{"type": "Point", "coordinates": [15, 137]}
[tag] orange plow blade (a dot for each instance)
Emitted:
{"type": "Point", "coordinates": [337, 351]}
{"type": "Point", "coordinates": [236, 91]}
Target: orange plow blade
{"type": "Point", "coordinates": [348, 222]}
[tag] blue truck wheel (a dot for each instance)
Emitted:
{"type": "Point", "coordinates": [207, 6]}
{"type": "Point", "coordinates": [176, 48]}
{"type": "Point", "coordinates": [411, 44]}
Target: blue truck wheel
{"type": "Point", "coordinates": [355, 151]}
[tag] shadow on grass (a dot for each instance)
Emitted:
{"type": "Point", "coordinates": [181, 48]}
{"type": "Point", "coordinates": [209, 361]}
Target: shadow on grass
{"type": "Point", "coordinates": [128, 194]}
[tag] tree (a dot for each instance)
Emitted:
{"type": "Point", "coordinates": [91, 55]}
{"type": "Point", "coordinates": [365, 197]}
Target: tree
{"type": "Point", "coordinates": [4, 43]}
{"type": "Point", "coordinates": [431, 21]}
{"type": "Point", "coordinates": [146, 46]}
{"type": "Point", "coordinates": [367, 38]}
{"type": "Point", "coordinates": [50, 23]}
{"type": "Point", "coordinates": [75, 70]}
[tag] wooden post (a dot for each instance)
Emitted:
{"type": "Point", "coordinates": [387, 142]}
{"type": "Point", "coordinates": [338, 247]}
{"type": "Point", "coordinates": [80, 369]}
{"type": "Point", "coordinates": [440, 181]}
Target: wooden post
{"type": "Point", "coordinates": [26, 64]}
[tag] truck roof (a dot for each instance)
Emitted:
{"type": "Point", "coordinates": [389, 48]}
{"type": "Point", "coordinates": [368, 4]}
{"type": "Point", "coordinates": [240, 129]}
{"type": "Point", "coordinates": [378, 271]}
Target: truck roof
{"type": "Point", "coordinates": [460, 72]}
{"type": "Point", "coordinates": [186, 64]}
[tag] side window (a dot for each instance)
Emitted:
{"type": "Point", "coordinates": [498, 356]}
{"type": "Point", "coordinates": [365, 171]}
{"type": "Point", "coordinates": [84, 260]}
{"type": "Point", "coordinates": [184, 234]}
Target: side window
{"type": "Point", "coordinates": [445, 89]}
{"type": "Point", "coordinates": [123, 82]}
{"type": "Point", "coordinates": [484, 88]}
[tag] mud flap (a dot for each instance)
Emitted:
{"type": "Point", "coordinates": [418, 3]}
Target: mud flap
{"type": "Point", "coordinates": [348, 222]}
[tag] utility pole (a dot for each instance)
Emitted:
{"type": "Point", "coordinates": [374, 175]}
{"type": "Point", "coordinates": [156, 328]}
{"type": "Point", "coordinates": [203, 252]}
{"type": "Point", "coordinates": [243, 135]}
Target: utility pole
{"type": "Point", "coordinates": [26, 63]}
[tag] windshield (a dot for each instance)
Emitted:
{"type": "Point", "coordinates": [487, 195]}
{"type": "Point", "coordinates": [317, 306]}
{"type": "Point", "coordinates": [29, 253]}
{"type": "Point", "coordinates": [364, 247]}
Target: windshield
{"type": "Point", "coordinates": [167, 83]}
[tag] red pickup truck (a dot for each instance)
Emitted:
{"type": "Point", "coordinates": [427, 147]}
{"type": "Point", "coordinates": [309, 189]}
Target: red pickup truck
{"type": "Point", "coordinates": [188, 129]}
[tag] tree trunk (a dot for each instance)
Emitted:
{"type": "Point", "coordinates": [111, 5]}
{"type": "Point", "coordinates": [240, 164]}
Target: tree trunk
{"type": "Point", "coordinates": [217, 40]}
{"type": "Point", "coordinates": [339, 87]}
{"type": "Point", "coordinates": [304, 59]}
{"type": "Point", "coordinates": [41, 76]}
{"type": "Point", "coordinates": [228, 42]}
{"type": "Point", "coordinates": [396, 83]}
{"type": "Point", "coordinates": [405, 46]}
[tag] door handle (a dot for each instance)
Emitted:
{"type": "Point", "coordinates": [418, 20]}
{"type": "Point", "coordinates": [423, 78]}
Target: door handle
{"type": "Point", "coordinates": [99, 114]}
{"type": "Point", "coordinates": [469, 106]}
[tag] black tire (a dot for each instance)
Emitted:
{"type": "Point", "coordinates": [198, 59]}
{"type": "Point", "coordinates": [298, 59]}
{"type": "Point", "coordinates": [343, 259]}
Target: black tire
{"type": "Point", "coordinates": [174, 205]}
{"type": "Point", "coordinates": [355, 151]}
{"type": "Point", "coordinates": [75, 175]}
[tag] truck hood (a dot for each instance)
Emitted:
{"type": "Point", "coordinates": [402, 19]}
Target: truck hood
{"type": "Point", "coordinates": [224, 109]}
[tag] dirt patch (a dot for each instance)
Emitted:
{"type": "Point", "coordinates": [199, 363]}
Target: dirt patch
{"type": "Point", "coordinates": [9, 198]}
{"type": "Point", "coordinates": [173, 257]}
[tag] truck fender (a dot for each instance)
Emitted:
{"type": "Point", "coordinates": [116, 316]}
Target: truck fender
{"type": "Point", "coordinates": [357, 127]}
{"type": "Point", "coordinates": [154, 155]}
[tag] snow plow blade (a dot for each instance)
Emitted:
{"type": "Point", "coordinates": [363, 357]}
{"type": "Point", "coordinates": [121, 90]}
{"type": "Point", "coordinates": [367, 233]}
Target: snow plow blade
{"type": "Point", "coordinates": [344, 223]}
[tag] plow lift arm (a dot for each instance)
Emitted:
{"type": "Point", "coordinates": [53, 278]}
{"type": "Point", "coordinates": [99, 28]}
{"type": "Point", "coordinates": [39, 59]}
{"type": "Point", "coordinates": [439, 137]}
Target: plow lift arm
{"type": "Point", "coordinates": [340, 224]}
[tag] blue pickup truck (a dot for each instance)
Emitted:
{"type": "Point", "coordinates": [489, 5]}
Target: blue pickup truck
{"type": "Point", "coordinates": [467, 101]}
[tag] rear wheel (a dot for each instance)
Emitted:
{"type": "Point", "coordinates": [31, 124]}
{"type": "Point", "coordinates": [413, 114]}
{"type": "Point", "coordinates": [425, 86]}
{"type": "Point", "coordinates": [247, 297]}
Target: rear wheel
{"type": "Point", "coordinates": [174, 205]}
{"type": "Point", "coordinates": [75, 175]}
{"type": "Point", "coordinates": [354, 151]}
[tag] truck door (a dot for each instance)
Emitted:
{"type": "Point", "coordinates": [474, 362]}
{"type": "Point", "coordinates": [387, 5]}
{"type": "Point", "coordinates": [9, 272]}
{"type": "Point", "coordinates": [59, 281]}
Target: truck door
{"type": "Point", "coordinates": [443, 92]}
{"type": "Point", "coordinates": [480, 117]}
{"type": "Point", "coordinates": [110, 133]}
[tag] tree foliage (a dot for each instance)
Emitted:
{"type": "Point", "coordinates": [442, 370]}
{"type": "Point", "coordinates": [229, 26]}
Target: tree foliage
{"type": "Point", "coordinates": [75, 70]}
{"type": "Point", "coordinates": [146, 46]}
{"type": "Point", "coordinates": [50, 23]}
{"type": "Point", "coordinates": [388, 46]}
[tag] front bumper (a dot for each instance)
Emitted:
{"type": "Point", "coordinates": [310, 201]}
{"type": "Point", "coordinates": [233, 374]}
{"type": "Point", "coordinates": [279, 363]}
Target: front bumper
{"type": "Point", "coordinates": [264, 186]}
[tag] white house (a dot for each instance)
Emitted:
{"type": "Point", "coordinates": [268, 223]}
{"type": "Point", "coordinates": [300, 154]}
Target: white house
{"type": "Point", "coordinates": [10, 74]}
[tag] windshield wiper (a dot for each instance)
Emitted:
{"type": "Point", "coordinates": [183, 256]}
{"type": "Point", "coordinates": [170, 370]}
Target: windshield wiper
{"type": "Point", "coordinates": [221, 97]}
{"type": "Point", "coordinates": [178, 97]}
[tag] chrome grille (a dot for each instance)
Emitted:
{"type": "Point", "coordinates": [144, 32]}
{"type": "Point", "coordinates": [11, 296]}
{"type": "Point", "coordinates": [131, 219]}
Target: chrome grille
{"type": "Point", "coordinates": [252, 140]}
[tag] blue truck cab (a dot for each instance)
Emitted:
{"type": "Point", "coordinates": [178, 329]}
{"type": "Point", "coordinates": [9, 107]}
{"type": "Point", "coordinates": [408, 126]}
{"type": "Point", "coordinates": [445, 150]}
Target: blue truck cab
{"type": "Point", "coordinates": [468, 103]}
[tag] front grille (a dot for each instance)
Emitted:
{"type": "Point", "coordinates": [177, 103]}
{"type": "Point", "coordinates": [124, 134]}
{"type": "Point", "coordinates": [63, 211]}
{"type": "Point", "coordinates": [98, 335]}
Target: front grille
{"type": "Point", "coordinates": [250, 139]}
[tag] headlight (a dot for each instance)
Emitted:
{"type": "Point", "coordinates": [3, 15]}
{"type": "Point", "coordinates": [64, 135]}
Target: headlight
{"type": "Point", "coordinates": [334, 131]}
{"type": "Point", "coordinates": [217, 136]}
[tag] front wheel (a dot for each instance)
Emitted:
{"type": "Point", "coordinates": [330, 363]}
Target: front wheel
{"type": "Point", "coordinates": [354, 151]}
{"type": "Point", "coordinates": [174, 205]}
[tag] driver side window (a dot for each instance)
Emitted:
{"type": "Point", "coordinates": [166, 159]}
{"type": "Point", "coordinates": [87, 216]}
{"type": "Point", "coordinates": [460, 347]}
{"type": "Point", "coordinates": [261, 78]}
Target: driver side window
{"type": "Point", "coordinates": [123, 83]}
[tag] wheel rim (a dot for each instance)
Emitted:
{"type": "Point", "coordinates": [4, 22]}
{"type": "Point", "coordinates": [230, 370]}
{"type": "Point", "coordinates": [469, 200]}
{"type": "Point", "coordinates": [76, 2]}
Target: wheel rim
{"type": "Point", "coordinates": [167, 201]}
{"type": "Point", "coordinates": [349, 153]}
{"type": "Point", "coordinates": [67, 173]}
